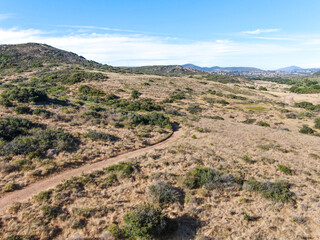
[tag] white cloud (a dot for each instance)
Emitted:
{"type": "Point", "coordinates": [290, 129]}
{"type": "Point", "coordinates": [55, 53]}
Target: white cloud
{"type": "Point", "coordinates": [259, 31]}
{"type": "Point", "coordinates": [127, 49]}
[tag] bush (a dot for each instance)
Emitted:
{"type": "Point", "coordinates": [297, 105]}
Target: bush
{"type": "Point", "coordinates": [209, 178]}
{"type": "Point", "coordinates": [263, 124]}
{"type": "Point", "coordinates": [116, 232]}
{"type": "Point", "coordinates": [306, 130]}
{"type": "Point", "coordinates": [195, 108]}
{"type": "Point", "coordinates": [10, 187]}
{"type": "Point", "coordinates": [161, 192]}
{"type": "Point", "coordinates": [6, 103]}
{"type": "Point", "coordinates": [317, 123]}
{"type": "Point", "coordinates": [111, 96]}
{"type": "Point", "coordinates": [277, 191]}
{"type": "Point", "coordinates": [177, 96]}
{"type": "Point", "coordinates": [11, 127]}
{"type": "Point", "coordinates": [43, 196]}
{"type": "Point", "coordinates": [307, 106]}
{"type": "Point", "coordinates": [125, 168]}
{"type": "Point", "coordinates": [285, 169]}
{"type": "Point", "coordinates": [40, 142]}
{"type": "Point", "coordinates": [141, 105]}
{"type": "Point", "coordinates": [89, 91]}
{"type": "Point", "coordinates": [24, 95]}
{"type": "Point", "coordinates": [263, 88]}
{"type": "Point", "coordinates": [145, 222]}
{"type": "Point", "coordinates": [71, 76]}
{"type": "Point", "coordinates": [22, 110]}
{"type": "Point", "coordinates": [135, 94]}
{"type": "Point", "coordinates": [42, 112]}
{"type": "Point", "coordinates": [50, 212]}
{"type": "Point", "coordinates": [151, 119]}
{"type": "Point", "coordinates": [96, 136]}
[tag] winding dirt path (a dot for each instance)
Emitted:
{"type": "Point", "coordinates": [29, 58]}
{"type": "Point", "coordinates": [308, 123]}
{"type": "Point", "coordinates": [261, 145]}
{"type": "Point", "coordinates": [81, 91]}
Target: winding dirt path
{"type": "Point", "coordinates": [45, 184]}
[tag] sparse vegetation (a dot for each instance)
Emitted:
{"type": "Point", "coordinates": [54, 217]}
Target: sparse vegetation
{"type": "Point", "coordinates": [277, 191]}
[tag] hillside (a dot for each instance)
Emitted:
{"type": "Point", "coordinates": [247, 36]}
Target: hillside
{"type": "Point", "coordinates": [21, 57]}
{"type": "Point", "coordinates": [169, 70]}
{"type": "Point", "coordinates": [179, 155]}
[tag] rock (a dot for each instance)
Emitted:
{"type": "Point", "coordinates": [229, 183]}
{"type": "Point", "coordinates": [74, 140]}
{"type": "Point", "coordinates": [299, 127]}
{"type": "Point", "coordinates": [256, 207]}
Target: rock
{"type": "Point", "coordinates": [51, 152]}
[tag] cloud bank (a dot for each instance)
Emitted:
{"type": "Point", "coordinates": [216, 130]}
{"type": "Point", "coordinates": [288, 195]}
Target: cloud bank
{"type": "Point", "coordinates": [130, 49]}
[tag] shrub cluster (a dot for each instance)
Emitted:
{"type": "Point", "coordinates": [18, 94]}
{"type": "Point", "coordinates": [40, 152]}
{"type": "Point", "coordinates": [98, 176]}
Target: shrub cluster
{"type": "Point", "coordinates": [153, 118]}
{"type": "Point", "coordinates": [40, 142]}
{"type": "Point", "coordinates": [11, 127]}
{"type": "Point", "coordinates": [97, 135]}
{"type": "Point", "coordinates": [71, 76]}
{"type": "Point", "coordinates": [163, 193]}
{"type": "Point", "coordinates": [208, 178]}
{"type": "Point", "coordinates": [277, 191]}
{"type": "Point", "coordinates": [308, 106]}
{"type": "Point", "coordinates": [90, 91]}
{"type": "Point", "coordinates": [306, 130]}
{"type": "Point", "coordinates": [24, 95]}
{"type": "Point", "coordinates": [125, 168]}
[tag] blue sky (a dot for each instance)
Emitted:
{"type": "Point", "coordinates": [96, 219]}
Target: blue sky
{"type": "Point", "coordinates": [268, 34]}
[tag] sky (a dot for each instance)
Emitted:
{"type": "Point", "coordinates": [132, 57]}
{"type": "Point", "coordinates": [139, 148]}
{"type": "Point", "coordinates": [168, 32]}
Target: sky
{"type": "Point", "coordinates": [267, 34]}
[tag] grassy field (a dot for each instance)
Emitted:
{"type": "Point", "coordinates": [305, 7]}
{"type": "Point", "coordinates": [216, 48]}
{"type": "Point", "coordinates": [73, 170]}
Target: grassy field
{"type": "Point", "coordinates": [245, 166]}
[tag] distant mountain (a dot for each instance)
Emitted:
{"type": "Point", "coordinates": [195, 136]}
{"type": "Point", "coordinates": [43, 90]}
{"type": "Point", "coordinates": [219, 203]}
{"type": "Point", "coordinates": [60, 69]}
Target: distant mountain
{"type": "Point", "coordinates": [290, 69]}
{"type": "Point", "coordinates": [169, 70]}
{"type": "Point", "coordinates": [227, 69]}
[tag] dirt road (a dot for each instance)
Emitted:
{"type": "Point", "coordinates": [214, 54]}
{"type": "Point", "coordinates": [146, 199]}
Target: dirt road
{"type": "Point", "coordinates": [45, 184]}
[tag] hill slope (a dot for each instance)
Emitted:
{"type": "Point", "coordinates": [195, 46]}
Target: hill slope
{"type": "Point", "coordinates": [166, 70]}
{"type": "Point", "coordinates": [34, 54]}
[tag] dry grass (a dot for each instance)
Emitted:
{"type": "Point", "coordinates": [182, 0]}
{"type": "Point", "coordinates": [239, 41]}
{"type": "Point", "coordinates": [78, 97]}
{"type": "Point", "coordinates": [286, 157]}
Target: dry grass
{"type": "Point", "coordinates": [85, 213]}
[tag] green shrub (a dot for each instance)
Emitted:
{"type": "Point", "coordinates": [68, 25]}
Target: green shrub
{"type": "Point", "coordinates": [285, 169]}
{"type": "Point", "coordinates": [42, 112]}
{"type": "Point", "coordinates": [43, 196]}
{"type": "Point", "coordinates": [223, 102]}
{"type": "Point", "coordinates": [141, 105]}
{"type": "Point", "coordinates": [11, 127]}
{"type": "Point", "coordinates": [50, 212]}
{"type": "Point", "coordinates": [153, 118]}
{"type": "Point", "coordinates": [10, 187]}
{"type": "Point", "coordinates": [277, 191]}
{"type": "Point", "coordinates": [263, 88]}
{"type": "Point", "coordinates": [71, 76]}
{"type": "Point", "coordinates": [97, 135]}
{"type": "Point", "coordinates": [249, 121]}
{"type": "Point", "coordinates": [209, 178]}
{"type": "Point", "coordinates": [177, 96]}
{"type": "Point", "coordinates": [90, 91]}
{"type": "Point", "coordinates": [116, 232]}
{"type": "Point", "coordinates": [40, 142]}
{"type": "Point", "coordinates": [194, 108]}
{"type": "Point", "coordinates": [317, 123]}
{"type": "Point", "coordinates": [145, 222]}
{"type": "Point", "coordinates": [22, 110]}
{"type": "Point", "coordinates": [125, 168]}
{"type": "Point", "coordinates": [308, 106]}
{"type": "Point", "coordinates": [306, 130]}
{"type": "Point", "coordinates": [6, 103]}
{"type": "Point", "coordinates": [135, 94]}
{"type": "Point", "coordinates": [111, 96]}
{"type": "Point", "coordinates": [161, 192]}
{"type": "Point", "coordinates": [263, 124]}
{"type": "Point", "coordinates": [24, 95]}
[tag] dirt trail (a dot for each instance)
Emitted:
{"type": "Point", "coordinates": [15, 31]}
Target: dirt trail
{"type": "Point", "coordinates": [45, 184]}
